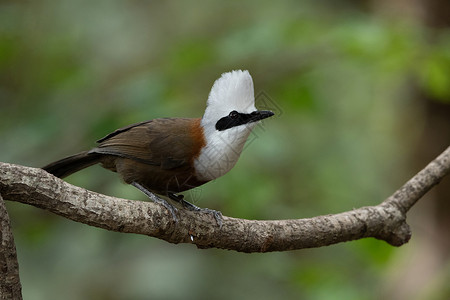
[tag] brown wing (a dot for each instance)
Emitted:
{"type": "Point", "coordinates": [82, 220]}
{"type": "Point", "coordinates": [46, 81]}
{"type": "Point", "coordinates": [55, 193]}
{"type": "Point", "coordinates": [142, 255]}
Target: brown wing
{"type": "Point", "coordinates": [161, 142]}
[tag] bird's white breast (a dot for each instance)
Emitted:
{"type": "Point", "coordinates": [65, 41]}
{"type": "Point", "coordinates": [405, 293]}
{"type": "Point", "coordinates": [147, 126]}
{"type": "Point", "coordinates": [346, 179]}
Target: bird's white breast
{"type": "Point", "coordinates": [221, 152]}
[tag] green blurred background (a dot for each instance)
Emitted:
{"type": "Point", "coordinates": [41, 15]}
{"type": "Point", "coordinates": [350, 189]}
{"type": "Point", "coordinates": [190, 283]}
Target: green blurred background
{"type": "Point", "coordinates": [361, 90]}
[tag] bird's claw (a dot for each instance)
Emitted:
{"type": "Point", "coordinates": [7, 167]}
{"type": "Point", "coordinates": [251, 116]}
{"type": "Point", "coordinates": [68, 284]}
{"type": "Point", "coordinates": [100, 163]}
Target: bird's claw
{"type": "Point", "coordinates": [192, 207]}
{"type": "Point", "coordinates": [172, 209]}
{"type": "Point", "coordinates": [217, 214]}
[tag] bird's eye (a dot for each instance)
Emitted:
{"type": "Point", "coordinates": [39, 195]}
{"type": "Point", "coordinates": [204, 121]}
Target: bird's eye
{"type": "Point", "coordinates": [234, 114]}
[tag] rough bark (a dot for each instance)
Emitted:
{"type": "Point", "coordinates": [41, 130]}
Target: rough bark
{"type": "Point", "coordinates": [386, 221]}
{"type": "Point", "coordinates": [10, 287]}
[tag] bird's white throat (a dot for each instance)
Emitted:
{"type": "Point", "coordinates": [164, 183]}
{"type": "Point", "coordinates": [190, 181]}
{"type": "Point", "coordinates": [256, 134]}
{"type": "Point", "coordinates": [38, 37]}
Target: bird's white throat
{"type": "Point", "coordinates": [221, 152]}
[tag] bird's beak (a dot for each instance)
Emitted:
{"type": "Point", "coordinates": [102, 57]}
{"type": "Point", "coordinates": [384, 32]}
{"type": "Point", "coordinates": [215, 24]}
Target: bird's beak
{"type": "Point", "coordinates": [260, 115]}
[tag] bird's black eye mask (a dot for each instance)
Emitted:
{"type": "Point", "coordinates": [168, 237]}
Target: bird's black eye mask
{"type": "Point", "coordinates": [235, 118]}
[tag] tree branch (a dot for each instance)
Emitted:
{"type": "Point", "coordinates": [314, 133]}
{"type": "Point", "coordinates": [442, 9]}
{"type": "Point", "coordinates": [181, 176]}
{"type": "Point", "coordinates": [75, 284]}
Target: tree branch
{"type": "Point", "coordinates": [10, 287]}
{"type": "Point", "coordinates": [386, 221]}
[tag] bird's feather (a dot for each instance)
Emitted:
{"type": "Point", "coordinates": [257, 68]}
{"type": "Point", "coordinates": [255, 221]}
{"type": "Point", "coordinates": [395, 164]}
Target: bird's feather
{"type": "Point", "coordinates": [169, 143]}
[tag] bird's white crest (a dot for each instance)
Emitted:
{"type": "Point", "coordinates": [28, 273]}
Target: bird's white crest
{"type": "Point", "coordinates": [232, 91]}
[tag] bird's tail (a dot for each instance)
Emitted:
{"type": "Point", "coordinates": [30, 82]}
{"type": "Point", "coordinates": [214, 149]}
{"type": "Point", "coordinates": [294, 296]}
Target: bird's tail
{"type": "Point", "coordinates": [71, 164]}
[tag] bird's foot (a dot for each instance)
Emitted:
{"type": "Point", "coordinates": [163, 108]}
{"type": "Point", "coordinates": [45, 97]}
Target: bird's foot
{"type": "Point", "coordinates": [192, 207]}
{"type": "Point", "coordinates": [172, 209]}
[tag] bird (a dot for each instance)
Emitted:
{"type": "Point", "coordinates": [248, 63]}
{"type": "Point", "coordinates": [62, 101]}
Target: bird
{"type": "Point", "coordinates": [167, 156]}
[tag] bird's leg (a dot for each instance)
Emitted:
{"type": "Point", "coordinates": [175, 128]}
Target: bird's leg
{"type": "Point", "coordinates": [192, 207]}
{"type": "Point", "coordinates": [156, 199]}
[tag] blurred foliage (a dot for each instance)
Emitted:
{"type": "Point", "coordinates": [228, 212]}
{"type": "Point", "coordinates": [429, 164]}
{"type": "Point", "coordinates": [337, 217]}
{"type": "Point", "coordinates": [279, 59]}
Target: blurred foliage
{"type": "Point", "coordinates": [339, 78]}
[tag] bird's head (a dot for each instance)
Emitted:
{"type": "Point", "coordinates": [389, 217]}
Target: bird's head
{"type": "Point", "coordinates": [229, 117]}
{"type": "Point", "coordinates": [231, 105]}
